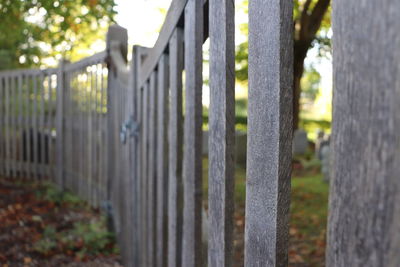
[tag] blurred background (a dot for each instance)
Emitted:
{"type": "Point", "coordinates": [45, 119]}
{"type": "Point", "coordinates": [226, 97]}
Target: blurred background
{"type": "Point", "coordinates": [39, 33]}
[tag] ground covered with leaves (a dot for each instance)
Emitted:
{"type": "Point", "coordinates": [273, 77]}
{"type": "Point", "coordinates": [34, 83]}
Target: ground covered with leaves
{"type": "Point", "coordinates": [40, 226]}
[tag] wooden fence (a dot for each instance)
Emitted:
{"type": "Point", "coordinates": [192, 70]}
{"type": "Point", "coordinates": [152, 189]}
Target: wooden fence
{"type": "Point", "coordinates": [128, 138]}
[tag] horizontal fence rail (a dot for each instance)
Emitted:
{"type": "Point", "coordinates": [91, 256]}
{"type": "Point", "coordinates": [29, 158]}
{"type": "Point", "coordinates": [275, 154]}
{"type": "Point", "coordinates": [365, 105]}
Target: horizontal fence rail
{"type": "Point", "coordinates": [127, 137]}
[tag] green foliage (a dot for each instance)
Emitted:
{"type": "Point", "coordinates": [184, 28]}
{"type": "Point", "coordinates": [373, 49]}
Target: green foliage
{"type": "Point", "coordinates": [310, 83]}
{"type": "Point", "coordinates": [84, 238]}
{"type": "Point", "coordinates": [48, 241]}
{"type": "Point", "coordinates": [34, 30]}
{"type": "Point", "coordinates": [51, 193]}
{"type": "Point", "coordinates": [322, 39]}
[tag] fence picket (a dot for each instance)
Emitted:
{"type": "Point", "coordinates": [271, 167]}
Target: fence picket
{"type": "Point", "coordinates": [192, 157]}
{"type": "Point", "coordinates": [162, 162]}
{"type": "Point", "coordinates": [25, 133]}
{"type": "Point", "coordinates": [269, 133]}
{"type": "Point", "coordinates": [8, 125]}
{"type": "Point", "coordinates": [151, 189]}
{"type": "Point", "coordinates": [2, 129]}
{"type": "Point", "coordinates": [175, 150]}
{"type": "Point", "coordinates": [364, 219]}
{"type": "Point", "coordinates": [222, 133]}
{"type": "Point", "coordinates": [144, 173]}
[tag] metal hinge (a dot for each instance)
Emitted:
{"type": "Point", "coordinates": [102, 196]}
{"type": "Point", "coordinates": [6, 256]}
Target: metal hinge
{"type": "Point", "coordinates": [130, 128]}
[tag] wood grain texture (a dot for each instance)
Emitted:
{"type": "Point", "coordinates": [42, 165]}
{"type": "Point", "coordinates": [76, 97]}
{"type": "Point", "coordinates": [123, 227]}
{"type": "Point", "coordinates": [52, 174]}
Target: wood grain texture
{"type": "Point", "coordinates": [60, 126]}
{"type": "Point", "coordinates": [42, 126]}
{"type": "Point", "coordinates": [269, 133]}
{"type": "Point", "coordinates": [21, 172]}
{"type": "Point", "coordinates": [175, 151]}
{"type": "Point", "coordinates": [222, 132]}
{"type": "Point", "coordinates": [26, 140]}
{"type": "Point", "coordinates": [172, 18]}
{"type": "Point", "coordinates": [7, 124]}
{"type": "Point", "coordinates": [192, 160]}
{"type": "Point", "coordinates": [152, 170]}
{"type": "Point", "coordinates": [2, 128]}
{"type": "Point", "coordinates": [162, 162]}
{"type": "Point", "coordinates": [144, 175]}
{"type": "Point", "coordinates": [364, 218]}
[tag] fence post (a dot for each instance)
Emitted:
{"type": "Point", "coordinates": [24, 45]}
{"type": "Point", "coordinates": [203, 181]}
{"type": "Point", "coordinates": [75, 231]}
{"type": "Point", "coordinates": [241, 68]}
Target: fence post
{"type": "Point", "coordinates": [364, 218]}
{"type": "Point", "coordinates": [269, 146]}
{"type": "Point", "coordinates": [115, 34]}
{"type": "Point", "coordinates": [60, 98]}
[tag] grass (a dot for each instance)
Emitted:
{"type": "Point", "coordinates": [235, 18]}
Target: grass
{"type": "Point", "coordinates": [308, 215]}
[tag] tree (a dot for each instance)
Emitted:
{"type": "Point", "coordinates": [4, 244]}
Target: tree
{"type": "Point", "coordinates": [36, 29]}
{"type": "Point", "coordinates": [311, 22]}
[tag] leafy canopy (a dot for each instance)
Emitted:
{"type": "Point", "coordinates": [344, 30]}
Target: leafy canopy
{"type": "Point", "coordinates": [32, 30]}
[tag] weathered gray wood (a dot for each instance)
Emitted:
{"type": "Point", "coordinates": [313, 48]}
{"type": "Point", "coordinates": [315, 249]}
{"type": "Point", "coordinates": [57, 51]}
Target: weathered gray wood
{"type": "Point", "coordinates": [27, 126]}
{"type": "Point", "coordinates": [50, 125]}
{"type": "Point", "coordinates": [222, 132]}
{"type": "Point", "coordinates": [175, 151]}
{"type": "Point", "coordinates": [42, 127]}
{"type": "Point", "coordinates": [174, 14]}
{"type": "Point", "coordinates": [162, 162]}
{"type": "Point", "coordinates": [144, 175]}
{"type": "Point", "coordinates": [7, 124]}
{"type": "Point", "coordinates": [76, 66]}
{"type": "Point", "coordinates": [152, 165]}
{"type": "Point", "coordinates": [13, 143]}
{"type": "Point", "coordinates": [2, 128]}
{"type": "Point", "coordinates": [192, 160]}
{"type": "Point", "coordinates": [115, 34]}
{"type": "Point", "coordinates": [35, 129]}
{"type": "Point", "coordinates": [364, 218]}
{"type": "Point", "coordinates": [134, 160]}
{"type": "Point", "coordinates": [60, 125]}
{"type": "Point", "coordinates": [269, 133]}
{"type": "Point", "coordinates": [171, 22]}
{"type": "Point", "coordinates": [20, 125]}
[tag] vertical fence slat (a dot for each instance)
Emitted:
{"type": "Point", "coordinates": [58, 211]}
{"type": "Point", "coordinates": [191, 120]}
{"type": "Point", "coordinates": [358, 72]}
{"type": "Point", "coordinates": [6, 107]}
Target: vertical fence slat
{"type": "Point", "coordinates": [269, 133]}
{"type": "Point", "coordinates": [8, 126]}
{"type": "Point", "coordinates": [19, 124]}
{"type": "Point", "coordinates": [60, 129]}
{"type": "Point", "coordinates": [35, 146]}
{"type": "Point", "coordinates": [27, 122]}
{"type": "Point", "coordinates": [49, 124]}
{"type": "Point", "coordinates": [222, 133]}
{"type": "Point", "coordinates": [134, 160]}
{"type": "Point", "coordinates": [42, 135]}
{"type": "Point", "coordinates": [192, 158]}
{"type": "Point", "coordinates": [152, 164]}
{"type": "Point", "coordinates": [2, 129]}
{"type": "Point", "coordinates": [364, 211]}
{"type": "Point", "coordinates": [67, 142]}
{"type": "Point", "coordinates": [144, 175]}
{"type": "Point", "coordinates": [162, 161]}
{"type": "Point", "coordinates": [175, 190]}
{"type": "Point", "coordinates": [14, 135]}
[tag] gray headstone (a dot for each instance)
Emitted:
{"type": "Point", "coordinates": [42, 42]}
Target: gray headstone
{"type": "Point", "coordinates": [325, 154]}
{"type": "Point", "coordinates": [300, 142]}
{"type": "Point", "coordinates": [318, 143]}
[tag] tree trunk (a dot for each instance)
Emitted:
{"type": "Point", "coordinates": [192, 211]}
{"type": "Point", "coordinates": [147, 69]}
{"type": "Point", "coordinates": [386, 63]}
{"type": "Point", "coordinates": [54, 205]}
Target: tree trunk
{"type": "Point", "coordinates": [310, 22]}
{"type": "Point", "coordinates": [298, 70]}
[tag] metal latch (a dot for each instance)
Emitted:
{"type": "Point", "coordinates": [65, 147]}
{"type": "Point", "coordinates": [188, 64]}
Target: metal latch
{"type": "Point", "coordinates": [129, 128]}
